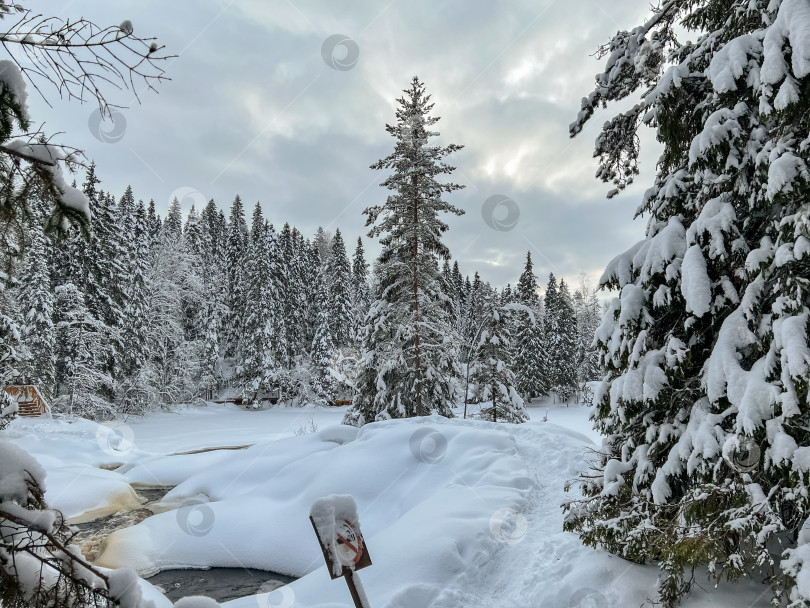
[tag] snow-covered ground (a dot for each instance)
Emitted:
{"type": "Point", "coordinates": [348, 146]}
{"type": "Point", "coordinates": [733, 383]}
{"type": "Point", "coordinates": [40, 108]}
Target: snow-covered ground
{"type": "Point", "coordinates": [455, 512]}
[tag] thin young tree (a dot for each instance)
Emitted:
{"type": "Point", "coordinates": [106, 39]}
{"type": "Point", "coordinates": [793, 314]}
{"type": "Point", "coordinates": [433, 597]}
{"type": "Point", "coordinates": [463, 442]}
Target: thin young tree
{"type": "Point", "coordinates": [491, 369]}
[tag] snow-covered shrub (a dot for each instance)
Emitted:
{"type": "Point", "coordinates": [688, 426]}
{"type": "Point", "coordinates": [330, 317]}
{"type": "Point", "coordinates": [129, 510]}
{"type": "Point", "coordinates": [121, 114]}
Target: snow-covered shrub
{"type": "Point", "coordinates": [85, 405]}
{"type": "Point", "coordinates": [38, 566]}
{"type": "Point", "coordinates": [8, 409]}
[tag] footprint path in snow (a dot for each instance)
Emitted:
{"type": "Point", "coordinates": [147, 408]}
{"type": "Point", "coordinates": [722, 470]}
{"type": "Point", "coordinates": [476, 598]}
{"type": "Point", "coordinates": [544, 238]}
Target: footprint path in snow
{"type": "Point", "coordinates": [548, 568]}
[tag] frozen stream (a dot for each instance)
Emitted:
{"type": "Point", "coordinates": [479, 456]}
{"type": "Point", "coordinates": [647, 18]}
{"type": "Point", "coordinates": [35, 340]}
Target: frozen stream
{"type": "Point", "coordinates": [221, 584]}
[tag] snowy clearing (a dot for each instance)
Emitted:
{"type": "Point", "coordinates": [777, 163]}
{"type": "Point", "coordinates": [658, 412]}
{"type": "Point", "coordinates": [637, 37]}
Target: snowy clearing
{"type": "Point", "coordinates": [454, 512]}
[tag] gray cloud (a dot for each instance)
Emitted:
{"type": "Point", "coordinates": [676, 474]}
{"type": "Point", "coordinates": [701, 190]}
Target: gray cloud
{"type": "Point", "coordinates": [253, 109]}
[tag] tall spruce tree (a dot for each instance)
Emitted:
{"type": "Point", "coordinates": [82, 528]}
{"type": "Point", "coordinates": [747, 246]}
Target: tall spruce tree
{"type": "Point", "coordinates": [323, 343]}
{"type": "Point", "coordinates": [236, 242]}
{"type": "Point", "coordinates": [530, 356]}
{"type": "Point", "coordinates": [361, 292]}
{"type": "Point", "coordinates": [565, 346]}
{"type": "Point", "coordinates": [551, 332]}
{"type": "Point", "coordinates": [153, 222]}
{"type": "Point", "coordinates": [410, 357]}
{"type": "Point", "coordinates": [36, 305]}
{"type": "Point", "coordinates": [261, 298]}
{"type": "Point", "coordinates": [292, 281]}
{"type": "Point", "coordinates": [134, 344]}
{"type": "Point", "coordinates": [705, 408]}
{"type": "Point", "coordinates": [339, 292]}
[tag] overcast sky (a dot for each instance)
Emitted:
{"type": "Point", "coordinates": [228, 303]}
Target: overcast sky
{"type": "Point", "coordinates": [253, 108]}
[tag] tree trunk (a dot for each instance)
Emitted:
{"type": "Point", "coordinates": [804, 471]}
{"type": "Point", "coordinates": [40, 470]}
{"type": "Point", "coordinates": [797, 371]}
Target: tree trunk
{"type": "Point", "coordinates": [417, 359]}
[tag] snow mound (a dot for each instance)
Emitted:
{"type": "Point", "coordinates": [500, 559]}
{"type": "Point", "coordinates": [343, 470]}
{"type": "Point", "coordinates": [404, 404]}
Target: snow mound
{"type": "Point", "coordinates": [426, 514]}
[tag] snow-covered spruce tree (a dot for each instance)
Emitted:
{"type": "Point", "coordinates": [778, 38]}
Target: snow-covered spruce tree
{"type": "Point", "coordinates": [261, 298]}
{"type": "Point", "coordinates": [361, 293]}
{"type": "Point", "coordinates": [565, 345]}
{"type": "Point", "coordinates": [210, 365]}
{"type": "Point", "coordinates": [310, 268]}
{"type": "Point", "coordinates": [212, 273]}
{"type": "Point", "coordinates": [235, 251]}
{"type": "Point", "coordinates": [530, 356]}
{"type": "Point", "coordinates": [83, 377]}
{"type": "Point", "coordinates": [153, 222]}
{"type": "Point", "coordinates": [9, 361]}
{"type": "Point", "coordinates": [559, 338]}
{"type": "Point", "coordinates": [339, 285]}
{"type": "Point", "coordinates": [491, 369]}
{"type": "Point", "coordinates": [107, 274]}
{"type": "Point", "coordinates": [36, 311]}
{"type": "Point", "coordinates": [101, 276]}
{"type": "Point", "coordinates": [194, 317]}
{"type": "Point", "coordinates": [323, 343]}
{"type": "Point", "coordinates": [292, 281]}
{"type": "Point", "coordinates": [132, 396]}
{"type": "Point", "coordinates": [475, 309]}
{"type": "Point", "coordinates": [551, 332]}
{"type": "Point", "coordinates": [705, 406]}
{"type": "Point", "coordinates": [410, 358]}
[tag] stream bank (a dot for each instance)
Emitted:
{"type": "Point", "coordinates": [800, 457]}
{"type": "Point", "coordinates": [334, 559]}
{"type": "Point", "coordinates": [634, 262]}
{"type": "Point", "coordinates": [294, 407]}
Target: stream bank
{"type": "Point", "coordinates": [220, 584]}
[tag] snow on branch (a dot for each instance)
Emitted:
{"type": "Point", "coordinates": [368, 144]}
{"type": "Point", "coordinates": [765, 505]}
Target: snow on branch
{"type": "Point", "coordinates": [80, 58]}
